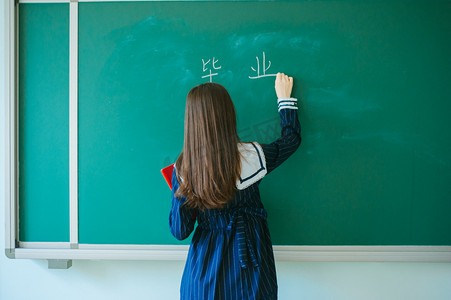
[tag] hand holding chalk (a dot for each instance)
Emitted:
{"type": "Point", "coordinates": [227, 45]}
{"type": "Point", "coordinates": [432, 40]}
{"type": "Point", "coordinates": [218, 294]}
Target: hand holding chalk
{"type": "Point", "coordinates": [284, 85]}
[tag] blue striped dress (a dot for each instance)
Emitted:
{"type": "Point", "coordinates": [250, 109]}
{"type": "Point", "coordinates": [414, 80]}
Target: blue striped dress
{"type": "Point", "coordinates": [231, 255]}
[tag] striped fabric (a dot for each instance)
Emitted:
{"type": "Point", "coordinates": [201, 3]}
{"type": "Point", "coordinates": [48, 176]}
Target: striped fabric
{"type": "Point", "coordinates": [231, 255]}
{"type": "Point", "coordinates": [290, 103]}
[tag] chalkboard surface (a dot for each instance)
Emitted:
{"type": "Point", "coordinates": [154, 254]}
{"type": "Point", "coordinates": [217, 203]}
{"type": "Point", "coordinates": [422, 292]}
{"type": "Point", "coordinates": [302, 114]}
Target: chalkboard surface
{"type": "Point", "coordinates": [374, 83]}
{"type": "Point", "coordinates": [44, 123]}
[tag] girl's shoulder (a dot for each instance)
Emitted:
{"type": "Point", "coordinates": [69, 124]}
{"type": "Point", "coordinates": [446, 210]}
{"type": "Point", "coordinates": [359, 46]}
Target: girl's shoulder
{"type": "Point", "coordinates": [253, 164]}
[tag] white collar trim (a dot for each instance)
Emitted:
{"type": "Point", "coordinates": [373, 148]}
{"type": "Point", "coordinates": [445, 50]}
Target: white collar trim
{"type": "Point", "coordinates": [253, 164]}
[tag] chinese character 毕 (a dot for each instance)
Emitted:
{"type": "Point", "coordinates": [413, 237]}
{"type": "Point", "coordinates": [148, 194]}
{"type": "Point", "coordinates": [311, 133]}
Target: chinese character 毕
{"type": "Point", "coordinates": [207, 68]}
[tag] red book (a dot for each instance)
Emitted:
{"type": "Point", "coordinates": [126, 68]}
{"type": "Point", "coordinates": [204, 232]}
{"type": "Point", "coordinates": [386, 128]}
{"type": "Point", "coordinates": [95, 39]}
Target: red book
{"type": "Point", "coordinates": [167, 174]}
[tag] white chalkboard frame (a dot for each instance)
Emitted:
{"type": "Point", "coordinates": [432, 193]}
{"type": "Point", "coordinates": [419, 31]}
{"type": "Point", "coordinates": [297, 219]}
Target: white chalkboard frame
{"type": "Point", "coordinates": [73, 250]}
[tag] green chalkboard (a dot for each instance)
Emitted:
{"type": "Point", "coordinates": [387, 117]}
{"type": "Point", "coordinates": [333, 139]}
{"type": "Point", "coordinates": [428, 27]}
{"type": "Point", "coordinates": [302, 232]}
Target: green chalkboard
{"type": "Point", "coordinates": [44, 123]}
{"type": "Point", "coordinates": [373, 79]}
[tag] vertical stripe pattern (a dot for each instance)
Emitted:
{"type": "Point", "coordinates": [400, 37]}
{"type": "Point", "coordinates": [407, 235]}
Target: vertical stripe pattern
{"type": "Point", "coordinates": [231, 255]}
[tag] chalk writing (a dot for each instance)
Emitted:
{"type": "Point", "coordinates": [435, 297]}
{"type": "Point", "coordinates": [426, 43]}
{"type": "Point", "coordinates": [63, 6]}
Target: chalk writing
{"type": "Point", "coordinates": [206, 68]}
{"type": "Point", "coordinates": [264, 68]}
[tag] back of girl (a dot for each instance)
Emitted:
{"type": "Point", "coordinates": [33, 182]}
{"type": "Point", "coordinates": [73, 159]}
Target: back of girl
{"type": "Point", "coordinates": [216, 184]}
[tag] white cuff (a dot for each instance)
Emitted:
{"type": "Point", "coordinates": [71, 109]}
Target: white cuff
{"type": "Point", "coordinates": [289, 103]}
{"type": "Point", "coordinates": [287, 99]}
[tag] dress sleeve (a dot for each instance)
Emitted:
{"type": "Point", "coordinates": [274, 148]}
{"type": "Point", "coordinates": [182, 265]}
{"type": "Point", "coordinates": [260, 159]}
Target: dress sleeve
{"type": "Point", "coordinates": [278, 151]}
{"type": "Point", "coordinates": [181, 218]}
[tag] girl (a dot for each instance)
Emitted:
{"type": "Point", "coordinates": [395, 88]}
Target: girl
{"type": "Point", "coordinates": [215, 181]}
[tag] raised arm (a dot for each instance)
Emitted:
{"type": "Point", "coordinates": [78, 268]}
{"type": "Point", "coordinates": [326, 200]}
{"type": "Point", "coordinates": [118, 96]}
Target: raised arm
{"type": "Point", "coordinates": [278, 151]}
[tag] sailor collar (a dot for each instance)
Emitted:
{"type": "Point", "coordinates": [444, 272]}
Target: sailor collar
{"type": "Point", "coordinates": [253, 164]}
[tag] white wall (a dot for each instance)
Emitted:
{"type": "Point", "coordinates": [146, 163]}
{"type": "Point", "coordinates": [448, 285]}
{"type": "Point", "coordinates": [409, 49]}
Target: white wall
{"type": "Point", "coordinates": [30, 279]}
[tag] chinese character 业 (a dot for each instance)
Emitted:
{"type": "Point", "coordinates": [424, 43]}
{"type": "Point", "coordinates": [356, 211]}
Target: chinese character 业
{"type": "Point", "coordinates": [264, 68]}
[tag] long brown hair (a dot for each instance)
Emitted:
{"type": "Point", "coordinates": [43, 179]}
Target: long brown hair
{"type": "Point", "coordinates": [209, 165]}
